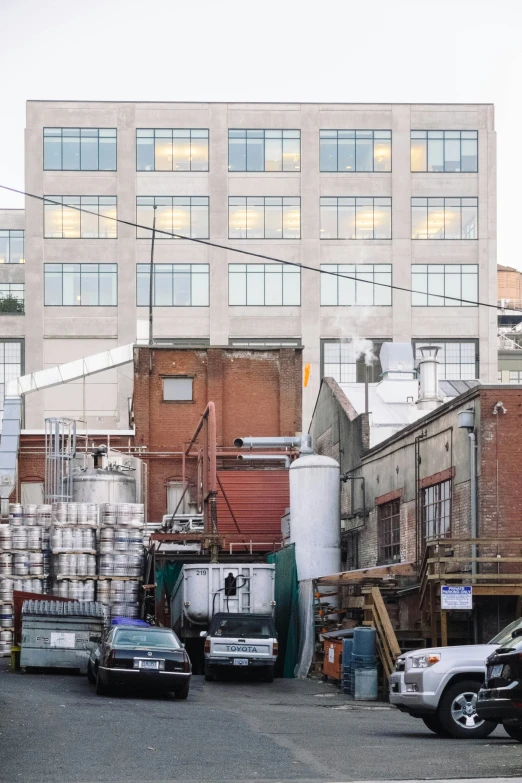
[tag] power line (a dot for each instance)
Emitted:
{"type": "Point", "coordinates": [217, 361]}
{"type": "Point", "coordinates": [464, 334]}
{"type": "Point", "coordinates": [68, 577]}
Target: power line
{"type": "Point", "coordinates": [242, 251]}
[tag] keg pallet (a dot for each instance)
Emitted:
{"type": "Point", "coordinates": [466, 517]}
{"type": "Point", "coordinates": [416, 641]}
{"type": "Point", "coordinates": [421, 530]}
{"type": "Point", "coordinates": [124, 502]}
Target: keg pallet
{"type": "Point", "coordinates": [76, 578]}
{"type": "Point", "coordinates": [22, 551]}
{"type": "Point", "coordinates": [62, 551]}
{"type": "Point", "coordinates": [122, 578]}
{"type": "Point", "coordinates": [75, 525]}
{"type": "Point", "coordinates": [27, 576]}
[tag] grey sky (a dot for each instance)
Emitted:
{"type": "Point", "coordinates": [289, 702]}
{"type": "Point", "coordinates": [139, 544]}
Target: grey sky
{"type": "Point", "coordinates": [266, 50]}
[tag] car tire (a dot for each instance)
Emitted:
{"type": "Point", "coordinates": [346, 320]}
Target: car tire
{"type": "Point", "coordinates": [432, 722]}
{"type": "Point", "coordinates": [101, 689]}
{"type": "Point", "coordinates": [514, 730]}
{"type": "Point", "coordinates": [268, 674]}
{"type": "Point", "coordinates": [457, 712]}
{"type": "Point", "coordinates": [182, 693]}
{"type": "Point", "coordinates": [90, 674]}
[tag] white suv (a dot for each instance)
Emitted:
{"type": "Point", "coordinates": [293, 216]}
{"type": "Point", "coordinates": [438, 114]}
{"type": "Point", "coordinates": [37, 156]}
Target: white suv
{"type": "Point", "coordinates": [440, 686]}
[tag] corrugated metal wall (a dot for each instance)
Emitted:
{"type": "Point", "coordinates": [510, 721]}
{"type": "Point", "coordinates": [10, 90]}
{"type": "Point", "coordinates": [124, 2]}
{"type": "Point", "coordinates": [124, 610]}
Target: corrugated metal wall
{"type": "Point", "coordinates": [258, 499]}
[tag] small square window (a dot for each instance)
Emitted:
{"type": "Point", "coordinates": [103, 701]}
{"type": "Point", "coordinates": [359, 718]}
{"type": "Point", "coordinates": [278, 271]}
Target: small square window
{"type": "Point", "coordinates": [177, 389]}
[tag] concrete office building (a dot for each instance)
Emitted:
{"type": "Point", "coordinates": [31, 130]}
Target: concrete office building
{"type": "Point", "coordinates": [402, 194]}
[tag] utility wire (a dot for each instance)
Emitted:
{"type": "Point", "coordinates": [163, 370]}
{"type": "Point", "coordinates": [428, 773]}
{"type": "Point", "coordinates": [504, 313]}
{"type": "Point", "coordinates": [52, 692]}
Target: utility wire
{"type": "Point", "coordinates": [242, 251]}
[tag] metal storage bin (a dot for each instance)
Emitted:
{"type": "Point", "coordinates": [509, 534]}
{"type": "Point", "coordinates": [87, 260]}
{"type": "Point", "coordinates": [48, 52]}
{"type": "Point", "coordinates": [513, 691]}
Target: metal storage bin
{"type": "Point", "coordinates": [55, 634]}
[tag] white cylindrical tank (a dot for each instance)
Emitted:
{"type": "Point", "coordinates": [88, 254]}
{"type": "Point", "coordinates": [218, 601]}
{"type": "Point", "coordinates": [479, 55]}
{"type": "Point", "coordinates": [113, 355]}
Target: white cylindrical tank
{"type": "Point", "coordinates": [315, 515]}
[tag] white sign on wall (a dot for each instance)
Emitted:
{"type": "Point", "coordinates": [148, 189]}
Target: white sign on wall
{"type": "Point", "coordinates": [456, 597]}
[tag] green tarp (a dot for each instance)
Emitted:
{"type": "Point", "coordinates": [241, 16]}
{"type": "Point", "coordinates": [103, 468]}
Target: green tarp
{"type": "Point", "coordinates": [166, 574]}
{"type": "Point", "coordinates": [286, 614]}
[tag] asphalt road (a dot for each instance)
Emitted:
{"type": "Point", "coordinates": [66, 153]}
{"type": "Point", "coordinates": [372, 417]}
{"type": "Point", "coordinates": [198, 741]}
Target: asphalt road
{"type": "Point", "coordinates": [54, 729]}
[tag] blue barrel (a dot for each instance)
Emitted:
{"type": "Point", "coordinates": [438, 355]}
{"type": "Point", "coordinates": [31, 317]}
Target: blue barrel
{"type": "Point", "coordinates": [364, 642]}
{"type": "Point", "coordinates": [347, 653]}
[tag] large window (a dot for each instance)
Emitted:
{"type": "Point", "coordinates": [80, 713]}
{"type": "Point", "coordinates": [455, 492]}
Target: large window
{"type": "Point", "coordinates": [264, 284]}
{"type": "Point", "coordinates": [444, 218]}
{"type": "Point", "coordinates": [350, 361]}
{"type": "Point", "coordinates": [258, 217]}
{"type": "Point", "coordinates": [437, 151]}
{"type": "Point", "coordinates": [174, 285]}
{"type": "Point", "coordinates": [434, 284]}
{"type": "Point", "coordinates": [264, 150]}
{"type": "Point", "coordinates": [436, 510]}
{"type": "Point", "coordinates": [389, 532]}
{"type": "Point", "coordinates": [458, 360]}
{"type": "Point", "coordinates": [87, 285]}
{"type": "Point", "coordinates": [515, 376]}
{"type": "Point", "coordinates": [11, 246]}
{"type": "Point", "coordinates": [265, 342]}
{"type": "Point", "coordinates": [12, 297]}
{"type": "Point", "coordinates": [11, 364]}
{"type": "Point", "coordinates": [171, 149]}
{"type": "Point", "coordinates": [355, 150]}
{"type": "Point", "coordinates": [356, 284]}
{"type": "Point", "coordinates": [355, 218]}
{"type": "Point", "coordinates": [64, 220]}
{"type": "Point", "coordinates": [184, 215]}
{"type": "Point", "coordinates": [79, 149]}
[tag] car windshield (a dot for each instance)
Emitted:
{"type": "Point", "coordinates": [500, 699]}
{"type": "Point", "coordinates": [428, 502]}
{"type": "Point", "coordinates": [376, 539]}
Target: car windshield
{"type": "Point", "coordinates": [142, 637]}
{"type": "Point", "coordinates": [258, 627]}
{"type": "Point", "coordinates": [505, 636]}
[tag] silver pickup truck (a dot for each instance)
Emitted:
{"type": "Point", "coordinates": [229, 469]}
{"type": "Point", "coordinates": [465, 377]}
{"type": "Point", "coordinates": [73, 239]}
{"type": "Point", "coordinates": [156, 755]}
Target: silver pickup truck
{"type": "Point", "coordinates": [248, 641]}
{"type": "Point", "coordinates": [440, 686]}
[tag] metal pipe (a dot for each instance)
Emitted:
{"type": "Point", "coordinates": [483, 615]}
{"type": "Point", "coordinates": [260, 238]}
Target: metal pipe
{"type": "Point", "coordinates": [302, 442]}
{"type": "Point", "coordinates": [151, 281]}
{"type": "Point", "coordinates": [474, 521]}
{"type": "Point", "coordinates": [265, 458]}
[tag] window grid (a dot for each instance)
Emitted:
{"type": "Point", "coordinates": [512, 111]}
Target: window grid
{"type": "Point", "coordinates": [458, 360]}
{"type": "Point", "coordinates": [515, 376]}
{"type": "Point", "coordinates": [355, 150]}
{"type": "Point", "coordinates": [265, 342]}
{"type": "Point", "coordinates": [172, 149]}
{"type": "Point", "coordinates": [62, 222]}
{"type": "Point", "coordinates": [264, 217]}
{"type": "Point", "coordinates": [361, 217]}
{"type": "Point", "coordinates": [264, 285]}
{"type": "Point", "coordinates": [356, 284]}
{"type": "Point", "coordinates": [436, 510]}
{"type": "Point", "coordinates": [174, 285]}
{"type": "Point", "coordinates": [11, 364]}
{"type": "Point", "coordinates": [12, 296]}
{"type": "Point", "coordinates": [444, 218]}
{"type": "Point", "coordinates": [184, 215]}
{"type": "Point", "coordinates": [433, 283]}
{"type": "Point", "coordinates": [349, 361]}
{"type": "Point", "coordinates": [79, 149]}
{"type": "Point", "coordinates": [81, 285]}
{"type": "Point", "coordinates": [11, 246]}
{"type": "Point", "coordinates": [264, 150]}
{"type": "Point", "coordinates": [389, 532]}
{"type": "Point", "coordinates": [444, 151]}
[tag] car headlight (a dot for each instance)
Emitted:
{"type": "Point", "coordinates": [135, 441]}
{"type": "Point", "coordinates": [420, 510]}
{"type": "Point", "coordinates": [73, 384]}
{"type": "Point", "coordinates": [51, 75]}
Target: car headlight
{"type": "Point", "coordinates": [423, 661]}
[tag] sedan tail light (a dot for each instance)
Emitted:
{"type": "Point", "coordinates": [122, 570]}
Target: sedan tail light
{"type": "Point", "coordinates": [186, 663]}
{"type": "Point", "coordinates": [111, 659]}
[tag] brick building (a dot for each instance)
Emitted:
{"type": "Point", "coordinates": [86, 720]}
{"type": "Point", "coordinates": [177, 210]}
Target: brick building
{"type": "Point", "coordinates": [415, 488]}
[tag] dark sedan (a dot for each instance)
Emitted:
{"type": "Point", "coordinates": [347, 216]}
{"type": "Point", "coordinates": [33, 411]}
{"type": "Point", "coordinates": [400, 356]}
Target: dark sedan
{"type": "Point", "coordinates": [145, 657]}
{"type": "Point", "coordinates": [500, 698]}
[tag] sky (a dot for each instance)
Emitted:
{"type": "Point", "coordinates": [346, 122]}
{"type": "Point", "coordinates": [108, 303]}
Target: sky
{"type": "Point", "coordinates": [442, 51]}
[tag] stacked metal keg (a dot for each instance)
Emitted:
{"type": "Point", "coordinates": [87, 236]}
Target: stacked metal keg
{"type": "Point", "coordinates": [121, 557]}
{"type": "Point", "coordinates": [74, 549]}
{"type": "Point", "coordinates": [24, 560]}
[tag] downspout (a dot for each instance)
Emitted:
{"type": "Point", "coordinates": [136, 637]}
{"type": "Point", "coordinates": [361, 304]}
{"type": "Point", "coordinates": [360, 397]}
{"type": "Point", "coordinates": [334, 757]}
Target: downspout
{"type": "Point", "coordinates": [474, 521]}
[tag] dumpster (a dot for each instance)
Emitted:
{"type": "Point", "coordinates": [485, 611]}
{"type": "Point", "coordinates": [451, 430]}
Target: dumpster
{"type": "Point", "coordinates": [56, 634]}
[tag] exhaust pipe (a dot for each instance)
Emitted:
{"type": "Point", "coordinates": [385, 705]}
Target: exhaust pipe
{"type": "Point", "coordinates": [303, 443]}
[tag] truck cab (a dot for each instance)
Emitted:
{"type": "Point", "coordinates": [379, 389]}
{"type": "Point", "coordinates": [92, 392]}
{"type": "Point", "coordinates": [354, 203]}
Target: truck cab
{"type": "Point", "coordinates": [240, 641]}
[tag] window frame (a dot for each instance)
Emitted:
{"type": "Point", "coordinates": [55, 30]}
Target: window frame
{"type": "Point", "coordinates": [21, 342]}
{"type": "Point", "coordinates": [80, 128]}
{"type": "Point", "coordinates": [173, 170]}
{"type": "Point", "coordinates": [428, 294]}
{"type": "Point", "coordinates": [265, 343]}
{"type": "Point", "coordinates": [9, 292]}
{"type": "Point", "coordinates": [173, 378]}
{"type": "Point", "coordinates": [264, 238]}
{"type": "Point", "coordinates": [451, 341]}
{"type": "Point", "coordinates": [282, 267]}
{"type": "Point", "coordinates": [93, 264]}
{"type": "Point", "coordinates": [444, 131]}
{"type": "Point", "coordinates": [265, 170]}
{"type": "Point", "coordinates": [80, 209]}
{"type": "Point", "coordinates": [376, 368]}
{"type": "Point", "coordinates": [355, 205]}
{"type": "Point", "coordinates": [16, 231]}
{"type": "Point", "coordinates": [353, 277]}
{"type": "Point", "coordinates": [356, 131]}
{"type": "Point", "coordinates": [438, 502]}
{"type": "Point", "coordinates": [443, 206]}
{"type": "Point", "coordinates": [161, 235]}
{"type": "Point", "coordinates": [387, 525]}
{"type": "Point", "coordinates": [172, 273]}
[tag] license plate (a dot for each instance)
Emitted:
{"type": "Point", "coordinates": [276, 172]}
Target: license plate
{"type": "Point", "coordinates": [496, 671]}
{"type": "Point", "coordinates": [148, 665]}
{"type": "Point", "coordinates": [240, 661]}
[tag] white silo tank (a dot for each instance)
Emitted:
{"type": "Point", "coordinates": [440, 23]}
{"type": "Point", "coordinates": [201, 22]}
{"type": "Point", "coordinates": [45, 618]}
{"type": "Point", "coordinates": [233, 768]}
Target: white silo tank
{"type": "Point", "coordinates": [315, 518]}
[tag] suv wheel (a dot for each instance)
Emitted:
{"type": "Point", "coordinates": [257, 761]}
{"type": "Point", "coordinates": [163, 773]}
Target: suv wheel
{"type": "Point", "coordinates": [458, 712]}
{"type": "Point", "coordinates": [514, 730]}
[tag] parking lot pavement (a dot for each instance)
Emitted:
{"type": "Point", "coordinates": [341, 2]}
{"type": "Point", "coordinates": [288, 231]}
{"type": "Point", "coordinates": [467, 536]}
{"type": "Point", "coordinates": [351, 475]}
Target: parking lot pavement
{"type": "Point", "coordinates": [54, 729]}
